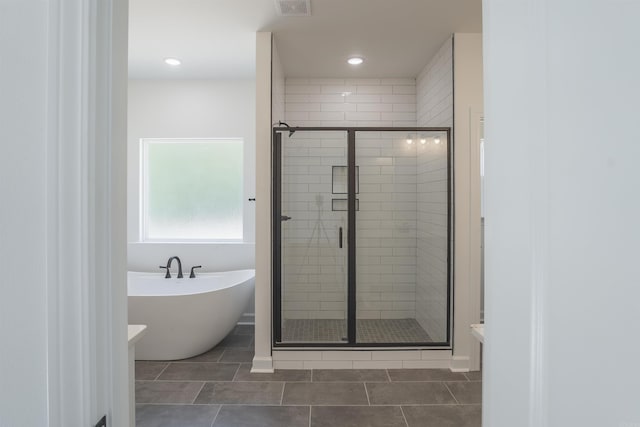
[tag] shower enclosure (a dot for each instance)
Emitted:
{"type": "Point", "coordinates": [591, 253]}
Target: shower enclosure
{"type": "Point", "coordinates": [362, 237]}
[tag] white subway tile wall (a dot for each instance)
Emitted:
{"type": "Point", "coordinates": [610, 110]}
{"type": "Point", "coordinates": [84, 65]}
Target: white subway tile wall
{"type": "Point", "coordinates": [386, 226]}
{"type": "Point", "coordinates": [350, 102]}
{"type": "Point", "coordinates": [435, 89]}
{"type": "Point", "coordinates": [434, 109]}
{"type": "Point", "coordinates": [314, 265]}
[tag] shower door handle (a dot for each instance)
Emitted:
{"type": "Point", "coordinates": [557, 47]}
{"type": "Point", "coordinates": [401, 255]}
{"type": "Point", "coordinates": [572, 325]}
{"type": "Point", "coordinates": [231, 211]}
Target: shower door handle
{"type": "Point", "coordinates": [340, 237]}
{"type": "Point", "coordinates": [284, 218]}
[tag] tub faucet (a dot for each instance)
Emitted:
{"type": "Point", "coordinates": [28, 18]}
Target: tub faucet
{"type": "Point", "coordinates": [193, 274]}
{"type": "Point", "coordinates": [168, 266]}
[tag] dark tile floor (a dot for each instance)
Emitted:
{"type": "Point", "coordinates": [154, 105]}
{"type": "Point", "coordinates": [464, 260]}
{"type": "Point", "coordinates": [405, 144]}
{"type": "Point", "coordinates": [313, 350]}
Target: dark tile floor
{"type": "Point", "coordinates": [217, 389]}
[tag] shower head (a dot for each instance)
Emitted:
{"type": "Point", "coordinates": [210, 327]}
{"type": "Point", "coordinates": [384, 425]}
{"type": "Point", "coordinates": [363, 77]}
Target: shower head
{"type": "Point", "coordinates": [291, 131]}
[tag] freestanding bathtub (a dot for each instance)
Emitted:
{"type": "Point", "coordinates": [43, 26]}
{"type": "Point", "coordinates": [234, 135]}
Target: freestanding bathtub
{"type": "Point", "coordinates": [186, 317]}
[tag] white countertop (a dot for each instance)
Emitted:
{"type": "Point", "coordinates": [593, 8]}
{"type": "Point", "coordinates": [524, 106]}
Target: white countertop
{"type": "Point", "coordinates": [477, 330]}
{"type": "Point", "coordinates": [135, 333]}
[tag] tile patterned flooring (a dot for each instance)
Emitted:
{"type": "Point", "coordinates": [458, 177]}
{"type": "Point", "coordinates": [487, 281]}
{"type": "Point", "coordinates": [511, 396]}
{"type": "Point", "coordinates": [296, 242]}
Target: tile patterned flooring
{"type": "Point", "coordinates": [217, 389]}
{"type": "Point", "coordinates": [367, 331]}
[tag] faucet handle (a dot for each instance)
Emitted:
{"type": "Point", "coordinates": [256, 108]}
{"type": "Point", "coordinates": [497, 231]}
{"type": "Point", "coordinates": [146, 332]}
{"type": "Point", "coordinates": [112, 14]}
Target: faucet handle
{"type": "Point", "coordinates": [193, 274]}
{"type": "Point", "coordinates": [168, 275]}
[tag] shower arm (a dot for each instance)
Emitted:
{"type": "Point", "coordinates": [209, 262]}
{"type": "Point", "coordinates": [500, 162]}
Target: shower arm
{"type": "Point", "coordinates": [291, 131]}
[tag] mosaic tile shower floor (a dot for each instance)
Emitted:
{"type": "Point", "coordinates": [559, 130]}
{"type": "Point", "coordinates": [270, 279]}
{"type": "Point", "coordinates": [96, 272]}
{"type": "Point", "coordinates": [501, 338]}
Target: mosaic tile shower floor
{"type": "Point", "coordinates": [367, 331]}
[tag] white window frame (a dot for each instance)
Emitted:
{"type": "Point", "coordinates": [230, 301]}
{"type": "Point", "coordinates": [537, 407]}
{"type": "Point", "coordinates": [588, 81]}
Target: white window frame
{"type": "Point", "coordinates": [144, 190]}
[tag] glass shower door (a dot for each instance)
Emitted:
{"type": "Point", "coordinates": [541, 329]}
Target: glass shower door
{"type": "Point", "coordinates": [312, 231]}
{"type": "Point", "coordinates": [402, 223]}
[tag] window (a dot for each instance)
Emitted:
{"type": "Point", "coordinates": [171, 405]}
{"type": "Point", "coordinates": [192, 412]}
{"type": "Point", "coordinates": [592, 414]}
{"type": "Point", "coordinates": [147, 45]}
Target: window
{"type": "Point", "coordinates": [191, 189]}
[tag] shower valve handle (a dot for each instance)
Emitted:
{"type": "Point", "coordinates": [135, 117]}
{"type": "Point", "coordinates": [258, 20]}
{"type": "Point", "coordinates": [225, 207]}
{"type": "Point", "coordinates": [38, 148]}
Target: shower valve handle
{"type": "Point", "coordinates": [284, 218]}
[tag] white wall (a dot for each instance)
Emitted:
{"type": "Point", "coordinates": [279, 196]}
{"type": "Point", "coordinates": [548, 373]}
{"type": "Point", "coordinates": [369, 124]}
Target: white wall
{"type": "Point", "coordinates": [262, 361]}
{"type": "Point", "coordinates": [468, 102]}
{"type": "Point", "coordinates": [112, 303]}
{"type": "Point", "coordinates": [191, 109]}
{"type": "Point", "coordinates": [562, 211]}
{"type": "Point", "coordinates": [435, 108]}
{"type": "Point", "coordinates": [23, 225]}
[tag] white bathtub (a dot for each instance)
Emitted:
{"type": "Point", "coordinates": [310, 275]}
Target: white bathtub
{"type": "Point", "coordinates": [186, 317]}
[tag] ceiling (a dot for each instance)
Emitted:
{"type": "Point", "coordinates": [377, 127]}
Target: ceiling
{"type": "Point", "coordinates": [215, 39]}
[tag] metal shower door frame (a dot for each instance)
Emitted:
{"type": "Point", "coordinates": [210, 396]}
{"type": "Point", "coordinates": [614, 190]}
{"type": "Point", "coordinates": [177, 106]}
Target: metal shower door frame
{"type": "Point", "coordinates": [276, 222]}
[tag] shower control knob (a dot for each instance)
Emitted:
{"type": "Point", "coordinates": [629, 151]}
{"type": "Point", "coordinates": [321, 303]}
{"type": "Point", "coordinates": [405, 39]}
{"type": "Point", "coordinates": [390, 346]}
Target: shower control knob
{"type": "Point", "coordinates": [285, 218]}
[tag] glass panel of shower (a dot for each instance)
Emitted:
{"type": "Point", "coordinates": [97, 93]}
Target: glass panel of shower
{"type": "Point", "coordinates": [402, 230]}
{"type": "Point", "coordinates": [312, 226]}
{"type": "Point", "coordinates": [362, 237]}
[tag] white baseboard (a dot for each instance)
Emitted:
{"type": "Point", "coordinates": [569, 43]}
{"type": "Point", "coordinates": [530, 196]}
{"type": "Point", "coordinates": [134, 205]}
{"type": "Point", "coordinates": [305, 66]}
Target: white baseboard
{"type": "Point", "coordinates": [459, 364]}
{"type": "Point", "coordinates": [361, 359]}
{"type": "Point", "coordinates": [247, 319]}
{"type": "Point", "coordinates": [262, 365]}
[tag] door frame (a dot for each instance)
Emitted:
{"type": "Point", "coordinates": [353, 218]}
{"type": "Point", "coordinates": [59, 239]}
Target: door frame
{"type": "Point", "coordinates": [86, 229]}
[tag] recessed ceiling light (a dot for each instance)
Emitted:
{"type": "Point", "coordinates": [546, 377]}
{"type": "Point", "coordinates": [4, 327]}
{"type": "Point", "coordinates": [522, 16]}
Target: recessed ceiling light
{"type": "Point", "coordinates": [172, 61]}
{"type": "Point", "coordinates": [355, 60]}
